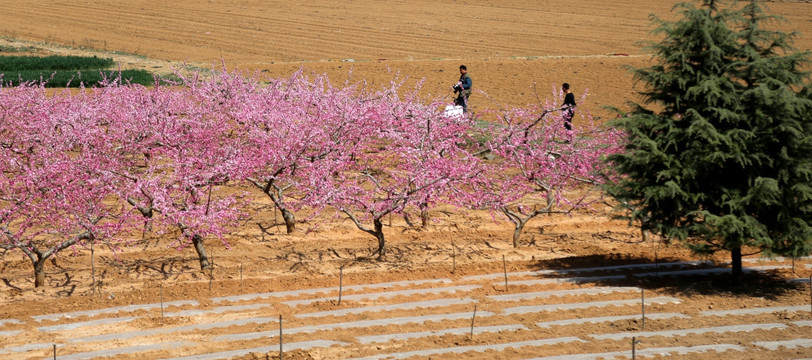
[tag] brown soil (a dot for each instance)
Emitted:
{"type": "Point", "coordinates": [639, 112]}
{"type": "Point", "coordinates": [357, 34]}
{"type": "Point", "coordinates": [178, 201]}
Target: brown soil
{"type": "Point", "coordinates": [516, 52]}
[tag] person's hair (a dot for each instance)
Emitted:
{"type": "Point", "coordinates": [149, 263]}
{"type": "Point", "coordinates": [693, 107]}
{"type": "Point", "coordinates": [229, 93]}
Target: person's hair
{"type": "Point", "coordinates": [566, 86]}
{"type": "Point", "coordinates": [463, 67]}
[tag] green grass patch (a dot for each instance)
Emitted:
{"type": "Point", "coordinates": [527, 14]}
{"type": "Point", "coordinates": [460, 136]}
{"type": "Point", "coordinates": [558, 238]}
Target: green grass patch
{"type": "Point", "coordinates": [69, 71]}
{"type": "Point", "coordinates": [89, 78]}
{"type": "Point", "coordinates": [27, 63]}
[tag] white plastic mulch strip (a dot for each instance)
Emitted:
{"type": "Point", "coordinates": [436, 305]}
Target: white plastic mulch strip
{"type": "Point", "coordinates": [77, 325]}
{"type": "Point", "coordinates": [755, 311]}
{"type": "Point", "coordinates": [386, 294]}
{"type": "Point", "coordinates": [567, 280]}
{"type": "Point", "coordinates": [303, 345]}
{"type": "Point", "coordinates": [679, 264]}
{"type": "Point", "coordinates": [477, 348]}
{"type": "Point", "coordinates": [293, 293]}
{"type": "Point", "coordinates": [767, 267]}
{"type": "Point", "coordinates": [561, 293]}
{"type": "Point", "coordinates": [671, 333]}
{"type": "Point", "coordinates": [168, 330]}
{"type": "Point", "coordinates": [658, 273]}
{"type": "Point", "coordinates": [26, 347]}
{"type": "Point", "coordinates": [278, 294]}
{"type": "Point", "coordinates": [3, 322]}
{"type": "Point", "coordinates": [355, 324]}
{"type": "Point", "coordinates": [421, 334]}
{"type": "Point", "coordinates": [10, 332]}
{"type": "Point", "coordinates": [123, 350]}
{"type": "Point", "coordinates": [777, 259]}
{"type": "Point", "coordinates": [498, 275]}
{"type": "Point", "coordinates": [217, 310]}
{"type": "Point", "coordinates": [389, 307]}
{"type": "Point", "coordinates": [789, 344]}
{"type": "Point", "coordinates": [113, 310]}
{"type": "Point", "coordinates": [595, 320]}
{"type": "Point", "coordinates": [584, 305]}
{"type": "Point", "coordinates": [708, 271]}
{"type": "Point", "coordinates": [665, 351]}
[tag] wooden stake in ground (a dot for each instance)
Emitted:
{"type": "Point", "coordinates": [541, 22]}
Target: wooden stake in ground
{"type": "Point", "coordinates": [280, 337]}
{"type": "Point", "coordinates": [656, 264]}
{"type": "Point", "coordinates": [240, 273]}
{"type": "Point", "coordinates": [54, 351]}
{"type": "Point", "coordinates": [643, 306]}
{"type": "Point", "coordinates": [472, 323]}
{"type": "Point", "coordinates": [340, 283]}
{"type": "Point", "coordinates": [211, 272]}
{"type": "Point", "coordinates": [162, 301]}
{"type": "Point", "coordinates": [634, 347]}
{"type": "Point", "coordinates": [504, 266]}
{"type": "Point", "coordinates": [453, 257]}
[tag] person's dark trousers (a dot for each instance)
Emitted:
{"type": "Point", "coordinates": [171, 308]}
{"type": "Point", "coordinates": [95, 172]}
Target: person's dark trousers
{"type": "Point", "coordinates": [462, 100]}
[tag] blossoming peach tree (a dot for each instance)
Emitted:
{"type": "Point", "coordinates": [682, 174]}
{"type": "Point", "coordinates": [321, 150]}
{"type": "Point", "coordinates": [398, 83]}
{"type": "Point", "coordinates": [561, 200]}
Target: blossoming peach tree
{"type": "Point", "coordinates": [540, 167]}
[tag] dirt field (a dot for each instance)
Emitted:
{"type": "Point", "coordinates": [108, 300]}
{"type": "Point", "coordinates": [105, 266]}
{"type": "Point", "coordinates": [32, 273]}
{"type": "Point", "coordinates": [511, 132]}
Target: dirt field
{"type": "Point", "coordinates": [510, 48]}
{"type": "Point", "coordinates": [516, 51]}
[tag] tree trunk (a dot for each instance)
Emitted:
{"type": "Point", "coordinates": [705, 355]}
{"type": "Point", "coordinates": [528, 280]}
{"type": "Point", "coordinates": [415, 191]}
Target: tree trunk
{"type": "Point", "coordinates": [736, 263]}
{"type": "Point", "coordinates": [197, 241]}
{"type": "Point", "coordinates": [290, 220]}
{"type": "Point", "coordinates": [424, 218]}
{"type": "Point", "coordinates": [517, 232]}
{"type": "Point", "coordinates": [39, 272]}
{"type": "Point", "coordinates": [379, 235]}
{"type": "Point", "coordinates": [518, 223]}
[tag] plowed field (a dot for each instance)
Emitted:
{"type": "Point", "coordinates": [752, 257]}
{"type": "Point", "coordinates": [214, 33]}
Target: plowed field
{"type": "Point", "coordinates": [420, 302]}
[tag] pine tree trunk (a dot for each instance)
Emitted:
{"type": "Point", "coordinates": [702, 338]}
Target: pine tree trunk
{"type": "Point", "coordinates": [197, 241]}
{"type": "Point", "coordinates": [736, 263]}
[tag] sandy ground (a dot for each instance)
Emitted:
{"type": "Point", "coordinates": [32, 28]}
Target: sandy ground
{"type": "Point", "coordinates": [517, 51]}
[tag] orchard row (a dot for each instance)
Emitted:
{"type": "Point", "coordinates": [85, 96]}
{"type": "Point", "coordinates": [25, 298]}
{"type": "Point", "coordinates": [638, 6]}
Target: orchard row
{"type": "Point", "coordinates": [99, 165]}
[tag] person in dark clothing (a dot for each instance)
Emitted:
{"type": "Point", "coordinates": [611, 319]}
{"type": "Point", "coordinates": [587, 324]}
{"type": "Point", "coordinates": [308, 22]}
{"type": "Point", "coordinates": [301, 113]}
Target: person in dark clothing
{"type": "Point", "coordinates": [463, 89]}
{"type": "Point", "coordinates": [568, 108]}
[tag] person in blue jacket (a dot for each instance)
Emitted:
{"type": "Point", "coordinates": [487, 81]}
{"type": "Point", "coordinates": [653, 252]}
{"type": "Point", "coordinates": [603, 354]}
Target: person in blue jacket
{"type": "Point", "coordinates": [463, 89]}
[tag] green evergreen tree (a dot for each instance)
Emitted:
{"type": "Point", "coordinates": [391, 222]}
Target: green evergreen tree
{"type": "Point", "coordinates": [722, 159]}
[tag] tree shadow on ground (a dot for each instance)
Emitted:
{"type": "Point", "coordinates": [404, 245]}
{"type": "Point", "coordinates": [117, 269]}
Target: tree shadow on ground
{"type": "Point", "coordinates": [8, 283]}
{"type": "Point", "coordinates": [765, 284]}
{"type": "Point", "coordinates": [272, 229]}
{"type": "Point", "coordinates": [164, 267]}
{"type": "Point", "coordinates": [751, 284]}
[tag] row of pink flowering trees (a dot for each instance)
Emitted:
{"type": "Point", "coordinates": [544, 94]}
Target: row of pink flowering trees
{"type": "Point", "coordinates": [105, 164]}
